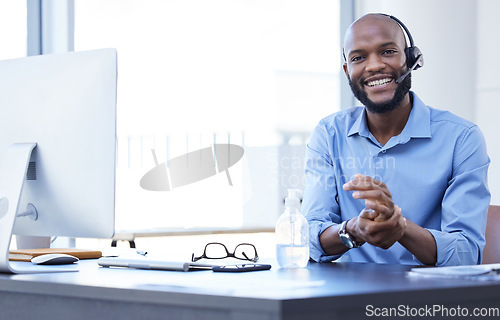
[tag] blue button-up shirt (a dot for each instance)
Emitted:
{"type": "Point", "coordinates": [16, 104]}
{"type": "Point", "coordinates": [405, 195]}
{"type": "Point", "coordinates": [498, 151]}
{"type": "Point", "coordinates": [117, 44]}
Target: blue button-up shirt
{"type": "Point", "coordinates": [435, 169]}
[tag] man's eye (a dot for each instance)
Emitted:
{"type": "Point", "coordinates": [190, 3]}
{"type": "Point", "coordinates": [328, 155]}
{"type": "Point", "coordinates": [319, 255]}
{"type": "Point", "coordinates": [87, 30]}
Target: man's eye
{"type": "Point", "coordinates": [389, 51]}
{"type": "Point", "coordinates": [356, 59]}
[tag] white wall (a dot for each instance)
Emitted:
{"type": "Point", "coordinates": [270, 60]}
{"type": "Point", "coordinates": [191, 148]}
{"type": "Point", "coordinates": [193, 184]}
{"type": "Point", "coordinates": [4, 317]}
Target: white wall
{"type": "Point", "coordinates": [460, 73]}
{"type": "Point", "coordinates": [488, 87]}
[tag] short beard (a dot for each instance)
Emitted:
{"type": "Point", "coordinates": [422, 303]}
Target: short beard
{"type": "Point", "coordinates": [402, 89]}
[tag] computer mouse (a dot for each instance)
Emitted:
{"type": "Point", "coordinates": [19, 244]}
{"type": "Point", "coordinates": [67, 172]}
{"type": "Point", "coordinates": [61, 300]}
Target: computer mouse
{"type": "Point", "coordinates": [54, 258]}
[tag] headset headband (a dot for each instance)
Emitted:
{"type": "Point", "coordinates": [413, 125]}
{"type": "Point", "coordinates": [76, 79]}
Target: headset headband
{"type": "Point", "coordinates": [402, 25]}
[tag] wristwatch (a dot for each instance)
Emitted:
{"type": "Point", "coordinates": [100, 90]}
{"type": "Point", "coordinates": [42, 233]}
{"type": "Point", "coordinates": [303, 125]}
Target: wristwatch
{"type": "Point", "coordinates": [346, 238]}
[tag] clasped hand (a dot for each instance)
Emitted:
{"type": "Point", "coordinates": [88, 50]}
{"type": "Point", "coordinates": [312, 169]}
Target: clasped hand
{"type": "Point", "coordinates": [384, 224]}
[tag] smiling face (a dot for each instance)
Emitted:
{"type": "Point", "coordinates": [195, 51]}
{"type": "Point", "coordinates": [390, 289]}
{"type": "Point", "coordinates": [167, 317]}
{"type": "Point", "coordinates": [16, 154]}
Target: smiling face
{"type": "Point", "coordinates": [375, 57]}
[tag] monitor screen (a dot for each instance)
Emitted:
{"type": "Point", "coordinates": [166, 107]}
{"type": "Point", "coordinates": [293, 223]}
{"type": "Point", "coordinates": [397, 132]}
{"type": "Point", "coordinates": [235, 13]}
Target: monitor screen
{"type": "Point", "coordinates": [66, 105]}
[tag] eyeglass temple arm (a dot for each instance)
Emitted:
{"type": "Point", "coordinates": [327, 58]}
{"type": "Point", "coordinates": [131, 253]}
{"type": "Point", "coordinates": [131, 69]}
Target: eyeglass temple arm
{"type": "Point", "coordinates": [254, 259]}
{"type": "Point", "coordinates": [194, 259]}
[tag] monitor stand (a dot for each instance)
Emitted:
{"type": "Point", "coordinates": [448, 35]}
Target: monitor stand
{"type": "Point", "coordinates": [12, 176]}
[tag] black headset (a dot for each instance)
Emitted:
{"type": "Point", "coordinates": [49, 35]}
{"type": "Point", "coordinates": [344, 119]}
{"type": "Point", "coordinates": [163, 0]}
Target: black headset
{"type": "Point", "coordinates": [414, 57]}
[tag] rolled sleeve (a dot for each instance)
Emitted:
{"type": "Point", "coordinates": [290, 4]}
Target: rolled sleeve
{"type": "Point", "coordinates": [317, 224]}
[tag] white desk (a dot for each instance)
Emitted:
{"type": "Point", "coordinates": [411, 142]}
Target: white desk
{"type": "Point", "coordinates": [322, 291]}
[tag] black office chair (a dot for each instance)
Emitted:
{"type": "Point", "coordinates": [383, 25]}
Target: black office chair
{"type": "Point", "coordinates": [491, 253]}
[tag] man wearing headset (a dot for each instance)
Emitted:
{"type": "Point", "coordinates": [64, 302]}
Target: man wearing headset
{"type": "Point", "coordinates": [395, 181]}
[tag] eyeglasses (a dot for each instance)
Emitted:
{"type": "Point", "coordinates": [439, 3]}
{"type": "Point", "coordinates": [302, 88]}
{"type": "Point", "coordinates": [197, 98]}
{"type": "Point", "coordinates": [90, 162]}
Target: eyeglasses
{"type": "Point", "coordinates": [217, 250]}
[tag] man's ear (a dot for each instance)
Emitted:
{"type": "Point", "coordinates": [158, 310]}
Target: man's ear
{"type": "Point", "coordinates": [345, 69]}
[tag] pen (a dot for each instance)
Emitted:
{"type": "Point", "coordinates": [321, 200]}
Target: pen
{"type": "Point", "coordinates": [142, 252]}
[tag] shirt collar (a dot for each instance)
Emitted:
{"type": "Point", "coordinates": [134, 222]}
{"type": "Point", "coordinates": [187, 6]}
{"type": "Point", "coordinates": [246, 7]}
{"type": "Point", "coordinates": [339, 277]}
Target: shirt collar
{"type": "Point", "coordinates": [417, 126]}
{"type": "Point", "coordinates": [359, 126]}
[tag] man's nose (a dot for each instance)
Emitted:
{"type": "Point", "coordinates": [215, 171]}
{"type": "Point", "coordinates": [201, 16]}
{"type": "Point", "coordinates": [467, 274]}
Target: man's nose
{"type": "Point", "coordinates": [374, 63]}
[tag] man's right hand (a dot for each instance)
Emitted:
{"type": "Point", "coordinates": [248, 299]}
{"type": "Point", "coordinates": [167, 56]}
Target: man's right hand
{"type": "Point", "coordinates": [382, 234]}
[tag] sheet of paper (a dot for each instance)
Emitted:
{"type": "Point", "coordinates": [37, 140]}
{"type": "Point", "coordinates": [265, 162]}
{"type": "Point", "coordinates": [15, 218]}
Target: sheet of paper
{"type": "Point", "coordinates": [485, 271]}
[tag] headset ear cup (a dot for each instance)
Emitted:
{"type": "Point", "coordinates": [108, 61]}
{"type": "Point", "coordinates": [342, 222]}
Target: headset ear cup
{"type": "Point", "coordinates": [414, 55]}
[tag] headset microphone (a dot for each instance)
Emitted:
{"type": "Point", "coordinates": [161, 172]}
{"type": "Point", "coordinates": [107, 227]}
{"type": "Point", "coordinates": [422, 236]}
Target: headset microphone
{"type": "Point", "coordinates": [413, 67]}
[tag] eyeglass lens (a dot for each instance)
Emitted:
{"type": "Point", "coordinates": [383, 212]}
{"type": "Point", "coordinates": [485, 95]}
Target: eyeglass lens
{"type": "Point", "coordinates": [219, 251]}
{"type": "Point", "coordinates": [245, 251]}
{"type": "Point", "coordinates": [216, 251]}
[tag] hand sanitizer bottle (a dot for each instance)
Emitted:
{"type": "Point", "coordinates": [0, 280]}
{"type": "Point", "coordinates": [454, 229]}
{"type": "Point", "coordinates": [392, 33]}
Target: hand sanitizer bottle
{"type": "Point", "coordinates": [292, 234]}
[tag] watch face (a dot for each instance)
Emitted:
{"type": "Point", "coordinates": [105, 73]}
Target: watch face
{"type": "Point", "coordinates": [346, 240]}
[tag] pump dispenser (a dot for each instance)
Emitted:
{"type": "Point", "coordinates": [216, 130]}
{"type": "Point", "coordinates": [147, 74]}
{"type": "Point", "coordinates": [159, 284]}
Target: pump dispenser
{"type": "Point", "coordinates": [292, 234]}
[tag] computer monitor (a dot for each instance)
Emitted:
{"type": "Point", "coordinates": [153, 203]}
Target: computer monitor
{"type": "Point", "coordinates": [57, 146]}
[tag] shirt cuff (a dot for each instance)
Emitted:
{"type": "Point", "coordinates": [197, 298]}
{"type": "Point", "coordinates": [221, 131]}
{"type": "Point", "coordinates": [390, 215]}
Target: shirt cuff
{"type": "Point", "coordinates": [453, 249]}
{"type": "Point", "coordinates": [316, 251]}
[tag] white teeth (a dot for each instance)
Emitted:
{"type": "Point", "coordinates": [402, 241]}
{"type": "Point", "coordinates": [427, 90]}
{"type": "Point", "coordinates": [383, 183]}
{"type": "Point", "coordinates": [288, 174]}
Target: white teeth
{"type": "Point", "coordinates": [378, 82]}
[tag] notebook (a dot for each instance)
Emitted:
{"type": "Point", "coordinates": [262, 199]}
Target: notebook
{"type": "Point", "coordinates": [152, 264]}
